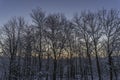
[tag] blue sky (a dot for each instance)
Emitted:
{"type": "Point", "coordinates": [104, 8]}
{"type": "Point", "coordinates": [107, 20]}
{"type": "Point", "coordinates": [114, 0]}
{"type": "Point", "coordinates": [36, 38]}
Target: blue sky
{"type": "Point", "coordinates": [11, 8]}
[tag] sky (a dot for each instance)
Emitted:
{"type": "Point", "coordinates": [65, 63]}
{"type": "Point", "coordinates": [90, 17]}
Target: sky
{"type": "Point", "coordinates": [12, 8]}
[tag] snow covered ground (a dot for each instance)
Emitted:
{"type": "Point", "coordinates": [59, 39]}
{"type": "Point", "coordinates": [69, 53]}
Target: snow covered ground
{"type": "Point", "coordinates": [42, 75]}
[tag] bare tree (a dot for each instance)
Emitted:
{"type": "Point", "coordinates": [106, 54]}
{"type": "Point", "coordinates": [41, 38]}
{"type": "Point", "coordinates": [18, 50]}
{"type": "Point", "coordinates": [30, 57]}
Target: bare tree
{"type": "Point", "coordinates": [69, 48]}
{"type": "Point", "coordinates": [12, 32]}
{"type": "Point", "coordinates": [95, 31]}
{"type": "Point", "coordinates": [111, 25]}
{"type": "Point", "coordinates": [82, 28]}
{"type": "Point", "coordinates": [54, 26]}
{"type": "Point", "coordinates": [38, 17]}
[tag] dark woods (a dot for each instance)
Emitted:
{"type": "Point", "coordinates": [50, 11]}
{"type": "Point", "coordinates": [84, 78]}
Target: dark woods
{"type": "Point", "coordinates": [53, 47]}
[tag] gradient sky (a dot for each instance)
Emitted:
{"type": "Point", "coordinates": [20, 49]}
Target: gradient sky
{"type": "Point", "coordinates": [11, 8]}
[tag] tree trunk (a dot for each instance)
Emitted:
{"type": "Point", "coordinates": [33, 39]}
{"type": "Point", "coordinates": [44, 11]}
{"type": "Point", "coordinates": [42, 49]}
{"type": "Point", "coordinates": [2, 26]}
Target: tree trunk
{"type": "Point", "coordinates": [98, 65]}
{"type": "Point", "coordinates": [110, 67]}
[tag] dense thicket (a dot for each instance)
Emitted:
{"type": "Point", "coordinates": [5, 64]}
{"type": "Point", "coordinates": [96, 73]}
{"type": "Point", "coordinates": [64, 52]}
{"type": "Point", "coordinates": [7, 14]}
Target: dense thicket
{"type": "Point", "coordinates": [54, 47]}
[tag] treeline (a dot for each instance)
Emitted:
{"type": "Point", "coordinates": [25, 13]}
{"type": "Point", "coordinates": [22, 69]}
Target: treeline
{"type": "Point", "coordinates": [54, 47]}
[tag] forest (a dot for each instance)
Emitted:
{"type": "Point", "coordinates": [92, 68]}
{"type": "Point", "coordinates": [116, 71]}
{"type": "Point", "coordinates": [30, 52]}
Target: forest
{"type": "Point", "coordinates": [55, 47]}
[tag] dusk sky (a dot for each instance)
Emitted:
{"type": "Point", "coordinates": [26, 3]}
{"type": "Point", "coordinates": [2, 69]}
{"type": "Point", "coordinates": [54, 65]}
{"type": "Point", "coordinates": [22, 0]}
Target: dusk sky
{"type": "Point", "coordinates": [11, 8]}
